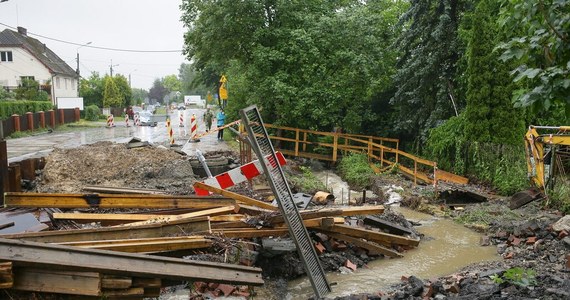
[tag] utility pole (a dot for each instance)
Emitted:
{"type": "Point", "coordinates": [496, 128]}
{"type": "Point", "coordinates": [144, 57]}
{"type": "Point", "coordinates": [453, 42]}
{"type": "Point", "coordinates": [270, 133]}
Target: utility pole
{"type": "Point", "coordinates": [111, 67]}
{"type": "Point", "coordinates": [77, 71]}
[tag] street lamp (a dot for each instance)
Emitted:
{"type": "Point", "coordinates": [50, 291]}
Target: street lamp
{"type": "Point", "coordinates": [77, 71]}
{"type": "Point", "coordinates": [130, 77]}
{"type": "Point", "coordinates": [111, 67]}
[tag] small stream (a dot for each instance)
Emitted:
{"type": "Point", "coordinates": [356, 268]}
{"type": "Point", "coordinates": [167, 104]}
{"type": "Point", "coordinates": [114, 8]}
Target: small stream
{"type": "Point", "coordinates": [446, 248]}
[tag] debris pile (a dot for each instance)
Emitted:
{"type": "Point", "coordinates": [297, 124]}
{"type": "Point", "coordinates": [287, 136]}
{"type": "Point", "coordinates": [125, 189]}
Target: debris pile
{"type": "Point", "coordinates": [114, 245]}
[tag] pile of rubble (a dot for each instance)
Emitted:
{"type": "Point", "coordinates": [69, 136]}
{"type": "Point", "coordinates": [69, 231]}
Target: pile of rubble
{"type": "Point", "coordinates": [59, 239]}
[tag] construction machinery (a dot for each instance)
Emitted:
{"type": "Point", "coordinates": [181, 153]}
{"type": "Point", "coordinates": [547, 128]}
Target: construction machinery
{"type": "Point", "coordinates": [547, 156]}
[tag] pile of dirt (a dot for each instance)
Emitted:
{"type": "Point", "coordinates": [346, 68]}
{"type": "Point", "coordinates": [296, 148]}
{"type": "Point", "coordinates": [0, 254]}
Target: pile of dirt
{"type": "Point", "coordinates": [114, 165]}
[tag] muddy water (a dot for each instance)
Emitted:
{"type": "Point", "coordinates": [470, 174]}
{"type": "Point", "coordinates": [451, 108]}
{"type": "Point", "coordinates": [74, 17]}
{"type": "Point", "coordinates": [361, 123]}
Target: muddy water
{"type": "Point", "coordinates": [446, 248]}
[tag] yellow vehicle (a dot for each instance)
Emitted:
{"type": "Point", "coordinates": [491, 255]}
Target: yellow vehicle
{"type": "Point", "coordinates": [547, 155]}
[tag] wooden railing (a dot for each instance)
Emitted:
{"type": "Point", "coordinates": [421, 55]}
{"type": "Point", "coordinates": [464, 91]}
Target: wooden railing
{"type": "Point", "coordinates": [330, 146]}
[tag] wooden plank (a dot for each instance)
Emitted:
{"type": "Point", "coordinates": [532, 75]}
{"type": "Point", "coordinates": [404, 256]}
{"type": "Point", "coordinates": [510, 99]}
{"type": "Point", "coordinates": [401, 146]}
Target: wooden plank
{"type": "Point", "coordinates": [123, 293]}
{"type": "Point", "coordinates": [371, 247]}
{"type": "Point", "coordinates": [320, 222]}
{"type": "Point", "coordinates": [235, 196]}
{"type": "Point", "coordinates": [450, 177]}
{"type": "Point", "coordinates": [57, 281]}
{"type": "Point", "coordinates": [251, 233]}
{"type": "Point", "coordinates": [392, 227]}
{"type": "Point", "coordinates": [227, 218]}
{"type": "Point", "coordinates": [6, 275]}
{"type": "Point", "coordinates": [234, 224]}
{"type": "Point", "coordinates": [147, 246]}
{"type": "Point", "coordinates": [182, 217]}
{"type": "Point", "coordinates": [147, 282]}
{"type": "Point", "coordinates": [252, 210]}
{"type": "Point", "coordinates": [59, 257]}
{"type": "Point", "coordinates": [308, 214]}
{"type": "Point", "coordinates": [119, 190]}
{"type": "Point", "coordinates": [362, 210]}
{"type": "Point", "coordinates": [185, 227]}
{"type": "Point", "coordinates": [113, 201]}
{"type": "Point", "coordinates": [116, 282]}
{"type": "Point", "coordinates": [379, 237]}
{"type": "Point", "coordinates": [95, 217]}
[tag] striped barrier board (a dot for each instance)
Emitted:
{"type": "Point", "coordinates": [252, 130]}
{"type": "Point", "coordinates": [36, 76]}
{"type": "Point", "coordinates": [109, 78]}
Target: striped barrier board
{"type": "Point", "coordinates": [237, 175]}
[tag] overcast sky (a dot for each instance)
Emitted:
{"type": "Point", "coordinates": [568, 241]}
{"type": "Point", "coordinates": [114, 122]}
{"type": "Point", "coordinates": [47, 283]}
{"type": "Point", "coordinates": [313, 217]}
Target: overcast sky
{"type": "Point", "coordinates": [120, 24]}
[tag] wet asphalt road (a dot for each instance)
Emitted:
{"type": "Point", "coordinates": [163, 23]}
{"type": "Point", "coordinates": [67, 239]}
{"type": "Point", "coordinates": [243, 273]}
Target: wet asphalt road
{"type": "Point", "coordinates": [41, 144]}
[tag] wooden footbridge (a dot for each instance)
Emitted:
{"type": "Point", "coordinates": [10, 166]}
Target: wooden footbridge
{"type": "Point", "coordinates": [383, 153]}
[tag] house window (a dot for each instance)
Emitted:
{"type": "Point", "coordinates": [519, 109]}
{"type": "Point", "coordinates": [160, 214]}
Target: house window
{"type": "Point", "coordinates": [57, 84]}
{"type": "Point", "coordinates": [66, 80]}
{"type": "Point", "coordinates": [5, 55]}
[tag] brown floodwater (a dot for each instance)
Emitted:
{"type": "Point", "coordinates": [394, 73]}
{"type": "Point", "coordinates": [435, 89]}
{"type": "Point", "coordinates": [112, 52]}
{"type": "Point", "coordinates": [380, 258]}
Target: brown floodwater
{"type": "Point", "coordinates": [446, 248]}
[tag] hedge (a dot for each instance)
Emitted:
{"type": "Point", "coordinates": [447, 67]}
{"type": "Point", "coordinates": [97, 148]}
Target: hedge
{"type": "Point", "coordinates": [20, 107]}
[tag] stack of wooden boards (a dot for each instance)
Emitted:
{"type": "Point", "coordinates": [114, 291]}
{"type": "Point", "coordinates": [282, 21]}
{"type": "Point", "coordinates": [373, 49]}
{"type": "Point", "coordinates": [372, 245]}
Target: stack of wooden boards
{"type": "Point", "coordinates": [112, 257]}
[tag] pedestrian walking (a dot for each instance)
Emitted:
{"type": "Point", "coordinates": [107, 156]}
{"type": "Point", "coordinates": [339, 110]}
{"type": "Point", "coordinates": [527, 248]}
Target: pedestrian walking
{"type": "Point", "coordinates": [221, 117]}
{"type": "Point", "coordinates": [208, 117]}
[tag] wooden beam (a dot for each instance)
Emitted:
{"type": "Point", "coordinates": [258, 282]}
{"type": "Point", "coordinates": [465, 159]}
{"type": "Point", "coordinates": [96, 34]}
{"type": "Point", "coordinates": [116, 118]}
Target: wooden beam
{"type": "Point", "coordinates": [59, 257]}
{"type": "Point", "coordinates": [185, 227]}
{"type": "Point", "coordinates": [235, 196]}
{"type": "Point", "coordinates": [113, 201]}
{"type": "Point", "coordinates": [151, 245]}
{"type": "Point", "coordinates": [57, 281]}
{"type": "Point", "coordinates": [121, 190]}
{"type": "Point", "coordinates": [375, 236]}
{"type": "Point", "coordinates": [391, 227]}
{"type": "Point", "coordinates": [115, 219]}
{"type": "Point", "coordinates": [253, 211]}
{"type": "Point", "coordinates": [6, 275]}
{"type": "Point", "coordinates": [308, 214]}
{"type": "Point", "coordinates": [188, 216]}
{"type": "Point", "coordinates": [116, 282]}
{"type": "Point", "coordinates": [371, 247]}
{"type": "Point", "coordinates": [250, 233]}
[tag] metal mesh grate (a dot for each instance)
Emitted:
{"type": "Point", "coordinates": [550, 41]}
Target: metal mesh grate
{"type": "Point", "coordinates": [261, 144]}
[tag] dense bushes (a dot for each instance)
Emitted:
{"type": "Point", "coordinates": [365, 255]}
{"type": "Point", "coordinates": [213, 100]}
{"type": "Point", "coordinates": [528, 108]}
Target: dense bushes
{"type": "Point", "coordinates": [355, 170]}
{"type": "Point", "coordinates": [20, 107]}
{"type": "Point", "coordinates": [92, 113]}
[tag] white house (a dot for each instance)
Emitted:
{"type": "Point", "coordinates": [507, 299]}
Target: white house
{"type": "Point", "coordinates": [23, 57]}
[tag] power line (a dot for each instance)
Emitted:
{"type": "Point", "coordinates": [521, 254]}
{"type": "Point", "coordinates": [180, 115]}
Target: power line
{"type": "Point", "coordinates": [96, 47]}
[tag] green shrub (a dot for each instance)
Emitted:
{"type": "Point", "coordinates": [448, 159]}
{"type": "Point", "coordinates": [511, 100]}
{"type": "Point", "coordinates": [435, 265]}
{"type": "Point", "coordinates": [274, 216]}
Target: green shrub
{"type": "Point", "coordinates": [92, 113]}
{"type": "Point", "coordinates": [355, 170]}
{"type": "Point", "coordinates": [20, 107]}
{"type": "Point", "coordinates": [559, 196]}
{"type": "Point", "coordinates": [517, 276]}
{"type": "Point", "coordinates": [307, 182]}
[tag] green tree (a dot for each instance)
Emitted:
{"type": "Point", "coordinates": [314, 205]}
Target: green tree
{"type": "Point", "coordinates": [125, 91]}
{"type": "Point", "coordinates": [426, 82]}
{"type": "Point", "coordinates": [539, 32]}
{"type": "Point", "coordinates": [489, 114]}
{"type": "Point", "coordinates": [91, 89]}
{"type": "Point", "coordinates": [138, 96]}
{"type": "Point", "coordinates": [29, 89]}
{"type": "Point", "coordinates": [190, 81]}
{"type": "Point", "coordinates": [111, 94]}
{"type": "Point", "coordinates": [171, 83]}
{"type": "Point", "coordinates": [157, 91]}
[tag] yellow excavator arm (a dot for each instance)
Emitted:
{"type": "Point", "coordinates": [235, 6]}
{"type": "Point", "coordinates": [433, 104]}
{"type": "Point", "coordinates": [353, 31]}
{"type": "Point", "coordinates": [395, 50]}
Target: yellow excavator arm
{"type": "Point", "coordinates": [540, 152]}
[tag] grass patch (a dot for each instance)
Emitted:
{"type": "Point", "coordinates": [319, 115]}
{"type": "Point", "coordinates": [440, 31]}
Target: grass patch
{"type": "Point", "coordinates": [559, 197]}
{"type": "Point", "coordinates": [306, 182]}
{"type": "Point", "coordinates": [485, 215]}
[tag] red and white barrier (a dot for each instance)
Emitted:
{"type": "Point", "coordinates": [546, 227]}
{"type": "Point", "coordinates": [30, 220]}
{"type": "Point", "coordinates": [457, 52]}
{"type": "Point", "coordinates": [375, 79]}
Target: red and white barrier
{"type": "Point", "coordinates": [127, 120]}
{"type": "Point", "coordinates": [238, 175]}
{"type": "Point", "coordinates": [181, 117]}
{"type": "Point", "coordinates": [110, 121]}
{"type": "Point", "coordinates": [137, 120]}
{"type": "Point", "coordinates": [193, 127]}
{"type": "Point", "coordinates": [170, 131]}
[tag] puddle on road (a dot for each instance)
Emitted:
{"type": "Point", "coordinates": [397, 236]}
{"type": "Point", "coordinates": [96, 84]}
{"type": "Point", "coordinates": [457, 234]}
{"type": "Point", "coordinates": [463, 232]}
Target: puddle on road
{"type": "Point", "coordinates": [446, 248]}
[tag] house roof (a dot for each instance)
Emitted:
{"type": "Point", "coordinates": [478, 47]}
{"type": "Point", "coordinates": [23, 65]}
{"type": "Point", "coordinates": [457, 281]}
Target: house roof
{"type": "Point", "coordinates": [38, 49]}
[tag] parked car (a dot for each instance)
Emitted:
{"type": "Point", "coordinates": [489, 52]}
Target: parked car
{"type": "Point", "coordinates": [181, 106]}
{"type": "Point", "coordinates": [146, 118]}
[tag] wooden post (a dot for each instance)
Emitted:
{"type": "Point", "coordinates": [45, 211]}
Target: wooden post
{"type": "Point", "coordinates": [16, 120]}
{"type": "Point", "coordinates": [415, 172]}
{"type": "Point", "coordinates": [297, 142]}
{"type": "Point", "coordinates": [335, 146]}
{"type": "Point", "coordinates": [28, 169]}
{"type": "Point", "coordinates": [369, 148]}
{"type": "Point", "coordinates": [304, 141]}
{"type": "Point", "coordinates": [397, 148]}
{"type": "Point", "coordinates": [14, 178]}
{"type": "Point", "coordinates": [42, 119]}
{"type": "Point", "coordinates": [3, 170]}
{"type": "Point", "coordinates": [30, 118]}
{"type": "Point", "coordinates": [382, 156]}
{"type": "Point", "coordinates": [345, 146]}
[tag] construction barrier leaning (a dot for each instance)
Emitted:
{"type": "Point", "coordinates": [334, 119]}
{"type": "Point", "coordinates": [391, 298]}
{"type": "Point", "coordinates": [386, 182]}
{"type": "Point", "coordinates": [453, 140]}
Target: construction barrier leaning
{"type": "Point", "coordinates": [110, 121]}
{"type": "Point", "coordinates": [170, 131]}
{"type": "Point", "coordinates": [237, 175]}
{"type": "Point", "coordinates": [198, 136]}
{"type": "Point", "coordinates": [193, 129]}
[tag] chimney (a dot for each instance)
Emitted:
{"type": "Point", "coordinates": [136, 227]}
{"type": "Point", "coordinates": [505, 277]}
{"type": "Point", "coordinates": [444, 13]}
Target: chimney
{"type": "Point", "coordinates": [22, 31]}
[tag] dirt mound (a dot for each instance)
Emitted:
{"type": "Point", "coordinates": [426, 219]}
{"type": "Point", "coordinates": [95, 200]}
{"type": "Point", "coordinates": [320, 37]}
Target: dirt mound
{"type": "Point", "coordinates": [114, 165]}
